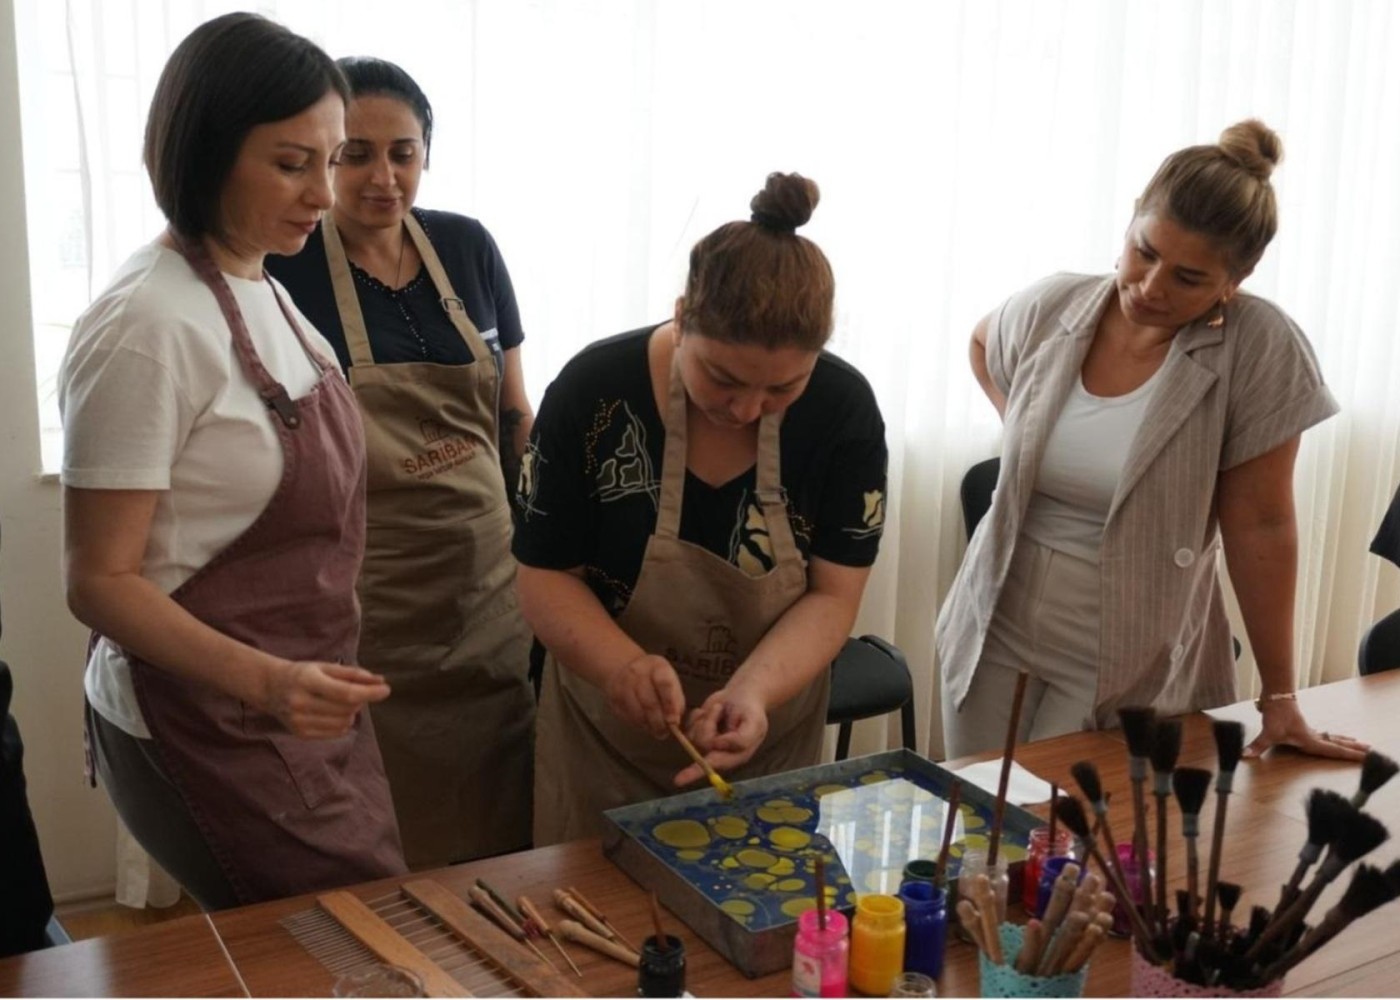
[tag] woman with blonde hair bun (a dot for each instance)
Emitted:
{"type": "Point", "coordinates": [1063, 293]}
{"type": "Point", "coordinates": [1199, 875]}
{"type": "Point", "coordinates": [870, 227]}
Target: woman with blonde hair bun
{"type": "Point", "coordinates": [1152, 417]}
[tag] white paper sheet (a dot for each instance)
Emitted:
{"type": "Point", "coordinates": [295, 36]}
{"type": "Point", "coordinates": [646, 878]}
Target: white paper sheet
{"type": "Point", "coordinates": [1023, 789]}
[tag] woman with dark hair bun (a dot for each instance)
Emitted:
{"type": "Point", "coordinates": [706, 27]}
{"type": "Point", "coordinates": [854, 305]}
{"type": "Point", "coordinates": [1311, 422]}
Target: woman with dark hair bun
{"type": "Point", "coordinates": [696, 518]}
{"type": "Point", "coordinates": [214, 498]}
{"type": "Point", "coordinates": [1152, 419]}
{"type": "Point", "coordinates": [420, 309]}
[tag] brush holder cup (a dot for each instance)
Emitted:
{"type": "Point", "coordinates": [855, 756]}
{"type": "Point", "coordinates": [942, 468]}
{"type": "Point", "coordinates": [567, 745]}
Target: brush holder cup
{"type": "Point", "coordinates": [1004, 981]}
{"type": "Point", "coordinates": [1149, 980]}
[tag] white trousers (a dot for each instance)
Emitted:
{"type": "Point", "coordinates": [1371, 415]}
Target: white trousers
{"type": "Point", "coordinates": [1047, 623]}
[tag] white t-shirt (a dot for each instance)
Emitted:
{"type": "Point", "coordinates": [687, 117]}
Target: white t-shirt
{"type": "Point", "coordinates": [153, 397]}
{"type": "Point", "coordinates": [1083, 463]}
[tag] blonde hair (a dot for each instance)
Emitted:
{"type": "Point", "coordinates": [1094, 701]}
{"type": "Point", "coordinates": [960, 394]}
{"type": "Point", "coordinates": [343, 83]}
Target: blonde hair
{"type": "Point", "coordinates": [758, 282]}
{"type": "Point", "coordinates": [1222, 191]}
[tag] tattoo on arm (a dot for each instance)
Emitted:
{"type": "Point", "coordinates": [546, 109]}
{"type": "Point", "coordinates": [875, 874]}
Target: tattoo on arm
{"type": "Point", "coordinates": [512, 447]}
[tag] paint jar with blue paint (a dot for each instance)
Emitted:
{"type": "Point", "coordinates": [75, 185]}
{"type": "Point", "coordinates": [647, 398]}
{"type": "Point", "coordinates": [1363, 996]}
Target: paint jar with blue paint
{"type": "Point", "coordinates": [925, 927]}
{"type": "Point", "coordinates": [1049, 874]}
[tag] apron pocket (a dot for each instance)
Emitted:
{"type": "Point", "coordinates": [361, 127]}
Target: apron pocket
{"type": "Point", "coordinates": [313, 767]}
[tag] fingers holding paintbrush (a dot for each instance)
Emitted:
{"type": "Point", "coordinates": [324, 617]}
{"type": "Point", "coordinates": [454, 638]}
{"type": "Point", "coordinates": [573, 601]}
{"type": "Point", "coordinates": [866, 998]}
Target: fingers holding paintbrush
{"type": "Point", "coordinates": [685, 777]}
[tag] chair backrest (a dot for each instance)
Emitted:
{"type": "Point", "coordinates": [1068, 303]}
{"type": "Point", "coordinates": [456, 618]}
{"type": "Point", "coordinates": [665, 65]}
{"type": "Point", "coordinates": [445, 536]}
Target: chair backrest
{"type": "Point", "coordinates": [1380, 646]}
{"type": "Point", "coordinates": [977, 486]}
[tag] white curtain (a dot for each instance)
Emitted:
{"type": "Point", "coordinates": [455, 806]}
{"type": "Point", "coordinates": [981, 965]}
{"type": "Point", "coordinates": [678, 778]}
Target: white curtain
{"type": "Point", "coordinates": [964, 149]}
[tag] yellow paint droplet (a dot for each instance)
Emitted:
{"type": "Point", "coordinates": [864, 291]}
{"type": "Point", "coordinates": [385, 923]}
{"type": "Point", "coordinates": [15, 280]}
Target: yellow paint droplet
{"type": "Point", "coordinates": [689, 855]}
{"type": "Point", "coordinates": [789, 838]}
{"type": "Point", "coordinates": [865, 844]}
{"type": "Point", "coordinates": [681, 833]}
{"type": "Point", "coordinates": [873, 777]}
{"type": "Point", "coordinates": [778, 803]}
{"type": "Point", "coordinates": [770, 814]}
{"type": "Point", "coordinates": [821, 790]}
{"type": "Point", "coordinates": [729, 827]}
{"type": "Point", "coordinates": [729, 863]}
{"type": "Point", "coordinates": [795, 814]}
{"type": "Point", "coordinates": [737, 907]}
{"type": "Point", "coordinates": [973, 822]}
{"type": "Point", "coordinates": [790, 885]}
{"type": "Point", "coordinates": [797, 907]}
{"type": "Point", "coordinates": [975, 842]}
{"type": "Point", "coordinates": [755, 858]}
{"type": "Point", "coordinates": [758, 880]}
{"type": "Point", "coordinates": [1013, 852]}
{"type": "Point", "coordinates": [783, 866]}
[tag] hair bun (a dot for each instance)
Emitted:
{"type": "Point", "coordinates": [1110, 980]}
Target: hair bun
{"type": "Point", "coordinates": [1253, 146]}
{"type": "Point", "coordinates": [786, 202]}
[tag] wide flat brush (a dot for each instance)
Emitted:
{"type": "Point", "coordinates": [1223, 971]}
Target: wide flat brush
{"type": "Point", "coordinates": [1072, 815]}
{"type": "Point", "coordinates": [1376, 770]}
{"type": "Point", "coordinates": [1191, 785]}
{"type": "Point", "coordinates": [1166, 748]}
{"type": "Point", "coordinates": [1370, 888]}
{"type": "Point", "coordinates": [1358, 835]}
{"type": "Point", "coordinates": [1229, 745]}
{"type": "Point", "coordinates": [1087, 775]}
{"type": "Point", "coordinates": [1324, 809]}
{"type": "Point", "coordinates": [1138, 724]}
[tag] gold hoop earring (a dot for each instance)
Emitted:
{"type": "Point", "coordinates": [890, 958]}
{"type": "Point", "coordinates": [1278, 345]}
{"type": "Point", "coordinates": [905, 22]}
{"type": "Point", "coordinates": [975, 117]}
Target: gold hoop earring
{"type": "Point", "coordinates": [1218, 320]}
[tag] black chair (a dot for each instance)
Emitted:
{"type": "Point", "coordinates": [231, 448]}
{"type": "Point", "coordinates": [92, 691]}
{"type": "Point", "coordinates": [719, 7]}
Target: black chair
{"type": "Point", "coordinates": [1380, 646]}
{"type": "Point", "coordinates": [869, 677]}
{"type": "Point", "coordinates": [26, 908]}
{"type": "Point", "coordinates": [977, 486]}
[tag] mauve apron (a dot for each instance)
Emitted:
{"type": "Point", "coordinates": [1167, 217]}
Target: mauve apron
{"type": "Point", "coordinates": [281, 814]}
{"type": "Point", "coordinates": [705, 615]}
{"type": "Point", "coordinates": [441, 618]}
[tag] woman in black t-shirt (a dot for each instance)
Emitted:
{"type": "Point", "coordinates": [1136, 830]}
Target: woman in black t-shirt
{"type": "Point", "coordinates": [697, 513]}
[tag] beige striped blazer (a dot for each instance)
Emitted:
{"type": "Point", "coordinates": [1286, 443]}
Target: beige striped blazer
{"type": "Point", "coordinates": [1227, 395]}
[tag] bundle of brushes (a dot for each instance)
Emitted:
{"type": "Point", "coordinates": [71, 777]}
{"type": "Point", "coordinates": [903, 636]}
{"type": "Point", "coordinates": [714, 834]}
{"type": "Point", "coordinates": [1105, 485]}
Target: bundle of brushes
{"type": "Point", "coordinates": [1076, 920]}
{"type": "Point", "coordinates": [1198, 942]}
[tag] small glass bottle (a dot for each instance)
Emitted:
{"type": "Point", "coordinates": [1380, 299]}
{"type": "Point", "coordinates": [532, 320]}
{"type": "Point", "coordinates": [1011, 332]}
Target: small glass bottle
{"type": "Point", "coordinates": [925, 927]}
{"type": "Point", "coordinates": [974, 863]}
{"type": "Point", "coordinates": [1038, 850]}
{"type": "Point", "coordinates": [820, 957]}
{"type": "Point", "coordinates": [1049, 874]}
{"type": "Point", "coordinates": [914, 984]}
{"type": "Point", "coordinates": [661, 971]}
{"type": "Point", "coordinates": [920, 870]}
{"type": "Point", "coordinates": [1139, 886]}
{"type": "Point", "coordinates": [877, 944]}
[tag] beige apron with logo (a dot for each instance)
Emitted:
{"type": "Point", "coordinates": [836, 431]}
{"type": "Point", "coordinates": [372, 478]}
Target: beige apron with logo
{"type": "Point", "coordinates": [441, 621]}
{"type": "Point", "coordinates": [705, 615]}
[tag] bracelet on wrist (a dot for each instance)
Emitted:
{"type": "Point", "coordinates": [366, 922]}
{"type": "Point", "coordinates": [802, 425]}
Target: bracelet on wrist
{"type": "Point", "coordinates": [1267, 699]}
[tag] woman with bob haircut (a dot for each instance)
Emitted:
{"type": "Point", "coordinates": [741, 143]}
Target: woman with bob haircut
{"type": "Point", "coordinates": [214, 479]}
{"type": "Point", "coordinates": [1152, 419]}
{"type": "Point", "coordinates": [697, 515]}
{"type": "Point", "coordinates": [420, 309]}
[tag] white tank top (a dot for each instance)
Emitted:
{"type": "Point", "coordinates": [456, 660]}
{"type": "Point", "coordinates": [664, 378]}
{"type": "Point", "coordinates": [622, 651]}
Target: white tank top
{"type": "Point", "coordinates": [1081, 468]}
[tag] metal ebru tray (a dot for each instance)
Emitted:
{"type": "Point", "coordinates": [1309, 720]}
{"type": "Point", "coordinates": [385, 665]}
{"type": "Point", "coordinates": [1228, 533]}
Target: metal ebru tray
{"type": "Point", "coordinates": [738, 872]}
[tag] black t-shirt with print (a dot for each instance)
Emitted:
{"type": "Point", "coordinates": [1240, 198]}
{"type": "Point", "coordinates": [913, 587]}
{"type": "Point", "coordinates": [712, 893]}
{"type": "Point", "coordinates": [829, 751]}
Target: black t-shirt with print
{"type": "Point", "coordinates": [409, 324]}
{"type": "Point", "coordinates": [591, 480]}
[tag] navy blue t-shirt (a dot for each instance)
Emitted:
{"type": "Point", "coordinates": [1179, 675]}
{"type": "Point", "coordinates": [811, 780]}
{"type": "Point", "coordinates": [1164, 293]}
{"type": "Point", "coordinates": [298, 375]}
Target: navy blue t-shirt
{"type": "Point", "coordinates": [590, 481]}
{"type": "Point", "coordinates": [409, 324]}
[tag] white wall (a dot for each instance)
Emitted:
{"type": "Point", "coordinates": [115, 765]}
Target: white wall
{"type": "Point", "coordinates": [42, 643]}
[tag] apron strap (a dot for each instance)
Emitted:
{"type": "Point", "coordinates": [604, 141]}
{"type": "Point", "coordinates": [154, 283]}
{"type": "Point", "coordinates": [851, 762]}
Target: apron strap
{"type": "Point", "coordinates": [347, 303]}
{"type": "Point", "coordinates": [274, 394]}
{"type": "Point", "coordinates": [771, 497]}
{"type": "Point", "coordinates": [455, 308]}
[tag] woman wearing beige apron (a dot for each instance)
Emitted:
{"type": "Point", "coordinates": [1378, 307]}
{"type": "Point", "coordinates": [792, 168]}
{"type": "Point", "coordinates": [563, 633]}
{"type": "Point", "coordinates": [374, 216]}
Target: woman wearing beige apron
{"type": "Point", "coordinates": [419, 307]}
{"type": "Point", "coordinates": [214, 495]}
{"type": "Point", "coordinates": [696, 518]}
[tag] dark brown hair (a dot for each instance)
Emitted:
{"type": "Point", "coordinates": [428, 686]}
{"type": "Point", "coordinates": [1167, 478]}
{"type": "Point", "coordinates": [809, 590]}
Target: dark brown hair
{"type": "Point", "coordinates": [758, 282]}
{"type": "Point", "coordinates": [1222, 191]}
{"type": "Point", "coordinates": [228, 75]}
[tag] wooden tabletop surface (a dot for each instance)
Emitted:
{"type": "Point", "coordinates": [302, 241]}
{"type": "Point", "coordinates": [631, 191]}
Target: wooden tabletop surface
{"type": "Point", "coordinates": [247, 951]}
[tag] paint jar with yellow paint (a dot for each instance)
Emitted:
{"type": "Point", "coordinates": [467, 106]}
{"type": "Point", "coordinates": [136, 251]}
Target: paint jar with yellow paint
{"type": "Point", "coordinates": [877, 944]}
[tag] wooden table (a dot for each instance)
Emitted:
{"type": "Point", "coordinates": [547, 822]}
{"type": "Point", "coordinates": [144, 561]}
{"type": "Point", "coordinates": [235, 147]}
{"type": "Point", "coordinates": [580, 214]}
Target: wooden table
{"type": "Point", "coordinates": [246, 947]}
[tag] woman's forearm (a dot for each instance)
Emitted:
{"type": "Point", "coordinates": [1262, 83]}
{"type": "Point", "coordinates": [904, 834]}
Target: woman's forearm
{"type": "Point", "coordinates": [145, 621]}
{"type": "Point", "coordinates": [572, 623]}
{"type": "Point", "coordinates": [1263, 563]}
